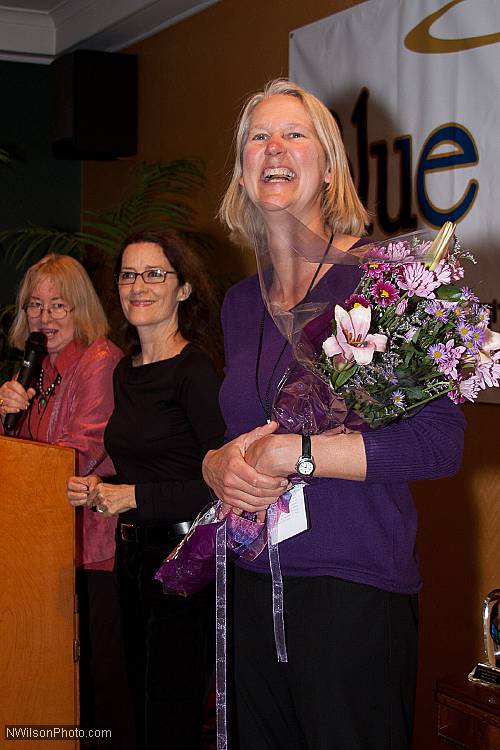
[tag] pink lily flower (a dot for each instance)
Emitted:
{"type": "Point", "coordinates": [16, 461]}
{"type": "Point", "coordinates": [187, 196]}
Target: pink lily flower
{"type": "Point", "coordinates": [353, 340]}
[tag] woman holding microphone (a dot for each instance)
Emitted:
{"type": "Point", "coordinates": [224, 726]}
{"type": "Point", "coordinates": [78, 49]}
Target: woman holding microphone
{"type": "Point", "coordinates": [70, 406]}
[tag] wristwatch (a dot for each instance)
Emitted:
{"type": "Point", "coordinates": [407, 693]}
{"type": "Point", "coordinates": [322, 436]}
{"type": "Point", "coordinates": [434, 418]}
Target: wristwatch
{"type": "Point", "coordinates": [305, 465]}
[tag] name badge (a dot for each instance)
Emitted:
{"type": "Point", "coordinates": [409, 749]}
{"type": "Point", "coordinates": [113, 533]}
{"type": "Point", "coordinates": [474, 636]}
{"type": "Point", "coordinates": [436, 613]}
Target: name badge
{"type": "Point", "coordinates": [292, 523]}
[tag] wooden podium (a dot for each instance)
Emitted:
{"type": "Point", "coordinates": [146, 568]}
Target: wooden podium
{"type": "Point", "coordinates": [38, 672]}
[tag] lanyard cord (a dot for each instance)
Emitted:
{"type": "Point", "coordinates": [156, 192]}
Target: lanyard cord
{"type": "Point", "coordinates": [266, 402]}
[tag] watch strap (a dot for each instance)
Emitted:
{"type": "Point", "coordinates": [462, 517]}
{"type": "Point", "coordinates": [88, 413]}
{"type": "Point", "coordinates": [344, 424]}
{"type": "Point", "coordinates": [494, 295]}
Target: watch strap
{"type": "Point", "coordinates": [306, 446]}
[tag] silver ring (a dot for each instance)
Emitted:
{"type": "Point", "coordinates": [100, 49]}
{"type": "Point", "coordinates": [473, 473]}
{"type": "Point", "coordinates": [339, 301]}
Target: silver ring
{"type": "Point", "coordinates": [100, 509]}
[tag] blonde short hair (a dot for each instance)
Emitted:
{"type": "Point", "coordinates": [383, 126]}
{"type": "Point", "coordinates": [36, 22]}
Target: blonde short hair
{"type": "Point", "coordinates": [74, 286]}
{"type": "Point", "coordinates": [341, 208]}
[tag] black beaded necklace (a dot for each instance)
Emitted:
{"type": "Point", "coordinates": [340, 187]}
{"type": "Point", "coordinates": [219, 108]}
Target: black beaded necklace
{"type": "Point", "coordinates": [45, 394]}
{"type": "Point", "coordinates": [266, 401]}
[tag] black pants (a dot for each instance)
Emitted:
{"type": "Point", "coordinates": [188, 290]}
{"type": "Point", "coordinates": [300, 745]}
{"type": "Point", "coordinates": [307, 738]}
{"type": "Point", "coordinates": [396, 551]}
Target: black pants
{"type": "Point", "coordinates": [349, 682]}
{"type": "Point", "coordinates": [169, 645]}
{"type": "Point", "coordinates": [104, 694]}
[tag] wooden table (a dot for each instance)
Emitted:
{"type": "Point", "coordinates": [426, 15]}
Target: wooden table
{"type": "Point", "coordinates": [468, 714]}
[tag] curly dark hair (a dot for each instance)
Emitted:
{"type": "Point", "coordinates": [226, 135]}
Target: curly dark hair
{"type": "Point", "coordinates": [198, 315]}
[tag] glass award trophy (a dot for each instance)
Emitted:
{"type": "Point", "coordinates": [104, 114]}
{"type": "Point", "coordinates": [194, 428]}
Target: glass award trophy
{"type": "Point", "coordinates": [488, 672]}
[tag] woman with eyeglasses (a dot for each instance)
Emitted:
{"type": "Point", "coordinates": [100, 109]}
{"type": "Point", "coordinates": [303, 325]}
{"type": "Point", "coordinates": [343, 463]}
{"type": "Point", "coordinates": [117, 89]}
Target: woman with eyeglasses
{"type": "Point", "coordinates": [166, 417]}
{"type": "Point", "coordinates": [70, 406]}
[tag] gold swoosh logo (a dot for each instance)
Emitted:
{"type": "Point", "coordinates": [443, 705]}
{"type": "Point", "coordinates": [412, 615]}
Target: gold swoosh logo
{"type": "Point", "coordinates": [421, 40]}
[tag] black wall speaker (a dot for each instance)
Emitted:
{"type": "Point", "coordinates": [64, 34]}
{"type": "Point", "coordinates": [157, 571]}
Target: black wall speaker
{"type": "Point", "coordinates": [94, 105]}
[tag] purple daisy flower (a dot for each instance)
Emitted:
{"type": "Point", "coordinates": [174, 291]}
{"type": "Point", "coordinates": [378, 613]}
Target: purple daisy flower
{"type": "Point", "coordinates": [470, 346]}
{"type": "Point", "coordinates": [468, 294]}
{"type": "Point", "coordinates": [438, 354]}
{"type": "Point", "coordinates": [385, 293]}
{"type": "Point", "coordinates": [482, 314]}
{"type": "Point", "coordinates": [357, 300]}
{"type": "Point", "coordinates": [436, 310]}
{"type": "Point", "coordinates": [465, 330]}
{"type": "Point", "coordinates": [478, 335]}
{"type": "Point", "coordinates": [398, 399]}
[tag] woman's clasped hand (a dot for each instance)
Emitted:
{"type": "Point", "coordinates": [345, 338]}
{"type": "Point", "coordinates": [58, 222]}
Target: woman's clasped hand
{"type": "Point", "coordinates": [234, 472]}
{"type": "Point", "coordinates": [106, 498]}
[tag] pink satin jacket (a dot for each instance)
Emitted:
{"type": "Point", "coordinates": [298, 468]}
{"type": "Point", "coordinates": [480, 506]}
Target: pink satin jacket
{"type": "Point", "coordinates": [75, 416]}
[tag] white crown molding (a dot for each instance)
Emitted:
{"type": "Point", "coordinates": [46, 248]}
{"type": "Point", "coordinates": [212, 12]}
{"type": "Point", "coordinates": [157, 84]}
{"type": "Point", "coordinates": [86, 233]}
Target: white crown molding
{"type": "Point", "coordinates": [147, 22]}
{"type": "Point", "coordinates": [26, 34]}
{"type": "Point", "coordinates": [77, 20]}
{"type": "Point", "coordinates": [34, 36]}
{"type": "Point", "coordinates": [114, 25]}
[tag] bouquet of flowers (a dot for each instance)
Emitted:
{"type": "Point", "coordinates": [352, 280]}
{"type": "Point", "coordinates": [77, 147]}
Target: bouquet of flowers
{"type": "Point", "coordinates": [410, 333]}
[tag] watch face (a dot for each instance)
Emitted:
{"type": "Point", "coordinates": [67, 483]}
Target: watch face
{"type": "Point", "coordinates": [305, 466]}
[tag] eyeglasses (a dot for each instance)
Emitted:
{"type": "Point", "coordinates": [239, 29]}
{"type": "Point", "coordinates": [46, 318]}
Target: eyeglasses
{"type": "Point", "coordinates": [57, 310]}
{"type": "Point", "coordinates": [151, 276]}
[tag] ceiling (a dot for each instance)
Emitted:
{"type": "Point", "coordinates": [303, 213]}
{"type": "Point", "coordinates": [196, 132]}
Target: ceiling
{"type": "Point", "coordinates": [37, 31]}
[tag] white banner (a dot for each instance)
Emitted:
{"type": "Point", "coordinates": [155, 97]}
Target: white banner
{"type": "Point", "coordinates": [415, 86]}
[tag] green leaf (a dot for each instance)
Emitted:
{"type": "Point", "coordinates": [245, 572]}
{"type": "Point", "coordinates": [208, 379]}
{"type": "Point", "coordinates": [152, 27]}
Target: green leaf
{"type": "Point", "coordinates": [449, 292]}
{"type": "Point", "coordinates": [158, 201]}
{"type": "Point", "coordinates": [415, 394]}
{"type": "Point", "coordinates": [344, 375]}
{"type": "Point", "coordinates": [21, 246]}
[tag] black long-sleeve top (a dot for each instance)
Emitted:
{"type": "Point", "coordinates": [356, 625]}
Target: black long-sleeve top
{"type": "Point", "coordinates": [166, 417]}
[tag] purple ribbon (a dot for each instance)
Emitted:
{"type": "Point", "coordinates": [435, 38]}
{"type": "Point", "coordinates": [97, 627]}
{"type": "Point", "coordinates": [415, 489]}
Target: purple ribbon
{"type": "Point", "coordinates": [221, 545]}
{"type": "Point", "coordinates": [190, 566]}
{"type": "Point", "coordinates": [221, 637]}
{"type": "Point", "coordinates": [273, 514]}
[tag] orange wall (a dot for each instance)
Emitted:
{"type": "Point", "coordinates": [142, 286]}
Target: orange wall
{"type": "Point", "coordinates": [193, 80]}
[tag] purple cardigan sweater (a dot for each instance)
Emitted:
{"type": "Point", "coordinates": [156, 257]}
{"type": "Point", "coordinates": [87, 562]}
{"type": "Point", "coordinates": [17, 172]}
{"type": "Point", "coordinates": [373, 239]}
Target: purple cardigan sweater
{"type": "Point", "coordinates": [358, 531]}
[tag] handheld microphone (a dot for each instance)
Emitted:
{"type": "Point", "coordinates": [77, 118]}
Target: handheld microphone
{"type": "Point", "coordinates": [34, 352]}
